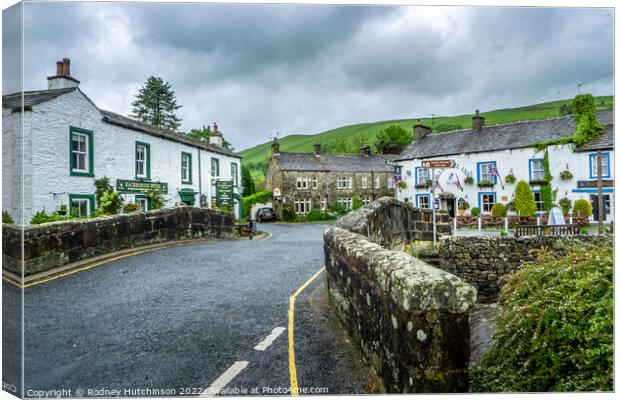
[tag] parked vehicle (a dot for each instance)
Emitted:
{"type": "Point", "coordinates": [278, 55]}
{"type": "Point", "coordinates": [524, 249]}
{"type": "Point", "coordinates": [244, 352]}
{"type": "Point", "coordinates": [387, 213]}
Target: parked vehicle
{"type": "Point", "coordinates": [265, 214]}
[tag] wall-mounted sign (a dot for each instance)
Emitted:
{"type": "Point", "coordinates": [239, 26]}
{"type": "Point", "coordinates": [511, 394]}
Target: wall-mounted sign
{"type": "Point", "coordinates": [277, 192]}
{"type": "Point", "coordinates": [438, 164]}
{"type": "Point", "coordinates": [593, 184]}
{"type": "Point", "coordinates": [224, 193]}
{"type": "Point", "coordinates": [129, 186]}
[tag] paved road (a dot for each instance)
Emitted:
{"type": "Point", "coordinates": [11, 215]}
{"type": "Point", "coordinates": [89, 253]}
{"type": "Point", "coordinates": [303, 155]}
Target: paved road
{"type": "Point", "coordinates": [181, 317]}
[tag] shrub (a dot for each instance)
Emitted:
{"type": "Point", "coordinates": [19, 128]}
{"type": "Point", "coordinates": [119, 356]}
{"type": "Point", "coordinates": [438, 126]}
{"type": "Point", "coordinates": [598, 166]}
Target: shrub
{"type": "Point", "coordinates": [582, 208]}
{"type": "Point", "coordinates": [6, 218]}
{"type": "Point", "coordinates": [318, 215]}
{"type": "Point", "coordinates": [525, 205]}
{"type": "Point", "coordinates": [102, 186]}
{"type": "Point", "coordinates": [41, 217]}
{"type": "Point", "coordinates": [463, 205]}
{"type": "Point", "coordinates": [554, 331]}
{"type": "Point", "coordinates": [338, 209]}
{"type": "Point", "coordinates": [288, 214]}
{"type": "Point", "coordinates": [155, 198]}
{"type": "Point", "coordinates": [256, 198]}
{"type": "Point", "coordinates": [356, 202]}
{"type": "Point", "coordinates": [110, 203]}
{"type": "Point", "coordinates": [469, 180]}
{"type": "Point", "coordinates": [130, 208]}
{"type": "Point", "coordinates": [498, 210]}
{"type": "Point", "coordinates": [475, 211]}
{"type": "Point", "coordinates": [510, 178]}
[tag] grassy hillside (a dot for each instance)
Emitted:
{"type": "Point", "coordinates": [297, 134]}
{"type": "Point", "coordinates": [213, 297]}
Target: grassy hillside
{"type": "Point", "coordinates": [256, 157]}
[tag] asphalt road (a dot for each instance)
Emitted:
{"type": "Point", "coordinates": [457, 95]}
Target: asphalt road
{"type": "Point", "coordinates": [179, 318]}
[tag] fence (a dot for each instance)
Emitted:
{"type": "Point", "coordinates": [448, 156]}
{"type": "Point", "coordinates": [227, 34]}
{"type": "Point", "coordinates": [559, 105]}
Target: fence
{"type": "Point", "coordinates": [509, 222]}
{"type": "Point", "coordinates": [546, 230]}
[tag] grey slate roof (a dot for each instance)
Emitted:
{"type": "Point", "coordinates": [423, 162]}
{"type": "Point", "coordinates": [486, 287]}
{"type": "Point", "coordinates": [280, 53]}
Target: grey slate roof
{"type": "Point", "coordinates": [497, 137]}
{"type": "Point", "coordinates": [331, 162]}
{"type": "Point", "coordinates": [602, 142]}
{"type": "Point", "coordinates": [129, 123]}
{"type": "Point", "coordinates": [32, 98]}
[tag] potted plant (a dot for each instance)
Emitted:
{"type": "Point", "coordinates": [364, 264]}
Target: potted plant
{"type": "Point", "coordinates": [510, 178]}
{"type": "Point", "coordinates": [463, 206]}
{"type": "Point", "coordinates": [566, 204]}
{"type": "Point", "coordinates": [469, 180]}
{"type": "Point", "coordinates": [566, 175]}
{"type": "Point", "coordinates": [62, 210]}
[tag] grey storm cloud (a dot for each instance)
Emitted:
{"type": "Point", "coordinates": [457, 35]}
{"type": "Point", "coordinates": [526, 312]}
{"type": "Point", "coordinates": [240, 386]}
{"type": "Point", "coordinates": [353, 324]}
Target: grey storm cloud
{"type": "Point", "coordinates": [258, 69]}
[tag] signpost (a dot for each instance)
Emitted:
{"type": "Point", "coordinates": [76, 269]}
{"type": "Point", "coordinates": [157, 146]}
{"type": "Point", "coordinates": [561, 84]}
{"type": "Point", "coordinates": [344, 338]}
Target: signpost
{"type": "Point", "coordinates": [224, 193]}
{"type": "Point", "coordinates": [432, 164]}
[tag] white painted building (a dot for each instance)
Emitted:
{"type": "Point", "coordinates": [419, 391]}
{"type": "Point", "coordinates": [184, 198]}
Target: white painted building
{"type": "Point", "coordinates": [508, 148]}
{"type": "Point", "coordinates": [68, 142]}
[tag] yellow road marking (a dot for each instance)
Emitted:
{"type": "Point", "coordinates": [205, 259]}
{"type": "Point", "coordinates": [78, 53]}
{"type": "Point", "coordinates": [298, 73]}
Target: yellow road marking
{"type": "Point", "coordinates": [291, 336]}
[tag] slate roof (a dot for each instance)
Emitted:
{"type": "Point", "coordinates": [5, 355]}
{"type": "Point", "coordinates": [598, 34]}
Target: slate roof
{"type": "Point", "coordinates": [331, 162]}
{"type": "Point", "coordinates": [32, 98]}
{"type": "Point", "coordinates": [129, 123]}
{"type": "Point", "coordinates": [497, 137]}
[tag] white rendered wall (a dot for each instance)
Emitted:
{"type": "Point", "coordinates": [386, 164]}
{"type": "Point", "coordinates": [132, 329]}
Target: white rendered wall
{"type": "Point", "coordinates": [114, 155]}
{"type": "Point", "coordinates": [514, 161]}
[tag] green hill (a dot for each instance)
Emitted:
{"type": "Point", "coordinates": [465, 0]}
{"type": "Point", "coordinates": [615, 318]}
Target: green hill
{"type": "Point", "coordinates": [335, 140]}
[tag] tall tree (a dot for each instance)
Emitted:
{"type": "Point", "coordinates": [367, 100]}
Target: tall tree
{"type": "Point", "coordinates": [156, 104]}
{"type": "Point", "coordinates": [393, 140]}
{"type": "Point", "coordinates": [247, 182]}
{"type": "Point", "coordinates": [204, 134]}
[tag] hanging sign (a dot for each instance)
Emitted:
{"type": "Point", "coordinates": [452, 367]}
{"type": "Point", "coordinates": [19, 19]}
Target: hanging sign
{"type": "Point", "coordinates": [224, 193]}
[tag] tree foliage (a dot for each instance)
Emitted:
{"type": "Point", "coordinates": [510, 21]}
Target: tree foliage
{"type": "Point", "coordinates": [156, 104]}
{"type": "Point", "coordinates": [554, 331]}
{"type": "Point", "coordinates": [393, 140]}
{"type": "Point", "coordinates": [525, 205]}
{"type": "Point", "coordinates": [6, 218]}
{"type": "Point", "coordinates": [583, 108]}
{"type": "Point", "coordinates": [247, 182]}
{"type": "Point", "coordinates": [155, 198]}
{"type": "Point", "coordinates": [498, 210]}
{"type": "Point", "coordinates": [204, 134]}
{"type": "Point", "coordinates": [256, 198]}
{"type": "Point", "coordinates": [546, 192]}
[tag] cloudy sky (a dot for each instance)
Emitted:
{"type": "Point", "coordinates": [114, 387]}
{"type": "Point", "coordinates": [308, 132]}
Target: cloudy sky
{"type": "Point", "coordinates": [261, 69]}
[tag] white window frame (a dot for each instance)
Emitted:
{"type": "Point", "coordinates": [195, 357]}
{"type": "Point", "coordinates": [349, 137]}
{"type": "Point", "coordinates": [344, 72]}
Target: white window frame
{"type": "Point", "coordinates": [538, 199]}
{"type": "Point", "coordinates": [141, 162]}
{"type": "Point", "coordinates": [298, 184]}
{"type": "Point", "coordinates": [315, 182]}
{"type": "Point", "coordinates": [79, 201]}
{"type": "Point", "coordinates": [485, 207]}
{"type": "Point", "coordinates": [366, 200]}
{"type": "Point", "coordinates": [424, 202]}
{"type": "Point", "coordinates": [537, 171]}
{"type": "Point", "coordinates": [142, 203]}
{"type": "Point", "coordinates": [323, 204]}
{"type": "Point", "coordinates": [79, 153]}
{"type": "Point", "coordinates": [185, 160]}
{"type": "Point", "coordinates": [424, 174]}
{"type": "Point", "coordinates": [364, 182]}
{"type": "Point", "coordinates": [377, 182]}
{"type": "Point", "coordinates": [302, 206]}
{"type": "Point", "coordinates": [485, 172]}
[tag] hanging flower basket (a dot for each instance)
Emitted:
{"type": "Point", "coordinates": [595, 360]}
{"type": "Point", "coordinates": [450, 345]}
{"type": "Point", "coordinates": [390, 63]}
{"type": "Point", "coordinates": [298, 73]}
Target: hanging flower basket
{"type": "Point", "coordinates": [566, 175]}
{"type": "Point", "coordinates": [510, 178]}
{"type": "Point", "coordinates": [468, 180]}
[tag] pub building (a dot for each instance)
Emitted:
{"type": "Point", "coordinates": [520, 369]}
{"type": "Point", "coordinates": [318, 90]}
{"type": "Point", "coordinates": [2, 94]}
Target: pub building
{"type": "Point", "coordinates": [486, 162]}
{"type": "Point", "coordinates": [69, 142]}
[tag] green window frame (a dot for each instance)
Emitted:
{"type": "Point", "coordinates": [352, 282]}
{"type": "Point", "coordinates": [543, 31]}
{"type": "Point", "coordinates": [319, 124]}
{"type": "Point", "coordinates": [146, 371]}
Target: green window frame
{"type": "Point", "coordinates": [147, 160]}
{"type": "Point", "coordinates": [143, 197]}
{"type": "Point", "coordinates": [215, 166]}
{"type": "Point", "coordinates": [90, 155]}
{"type": "Point", "coordinates": [234, 171]}
{"type": "Point", "coordinates": [89, 197]}
{"type": "Point", "coordinates": [186, 156]}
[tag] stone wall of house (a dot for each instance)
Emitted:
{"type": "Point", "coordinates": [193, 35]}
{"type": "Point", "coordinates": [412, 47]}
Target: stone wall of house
{"type": "Point", "coordinates": [410, 320]}
{"type": "Point", "coordinates": [482, 261]}
{"type": "Point", "coordinates": [55, 244]}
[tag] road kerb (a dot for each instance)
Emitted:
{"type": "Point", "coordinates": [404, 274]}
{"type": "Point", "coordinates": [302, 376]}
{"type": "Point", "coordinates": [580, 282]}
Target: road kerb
{"type": "Point", "coordinates": [291, 335]}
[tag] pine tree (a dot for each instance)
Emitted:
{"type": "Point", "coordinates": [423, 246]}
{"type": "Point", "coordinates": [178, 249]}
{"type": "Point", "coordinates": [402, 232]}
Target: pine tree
{"type": "Point", "coordinates": [525, 203]}
{"type": "Point", "coordinates": [156, 104]}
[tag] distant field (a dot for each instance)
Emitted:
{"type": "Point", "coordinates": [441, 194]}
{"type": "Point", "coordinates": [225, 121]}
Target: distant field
{"type": "Point", "coordinates": [256, 157]}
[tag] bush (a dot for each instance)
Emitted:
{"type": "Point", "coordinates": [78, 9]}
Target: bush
{"type": "Point", "coordinates": [582, 208]}
{"type": "Point", "coordinates": [318, 215]}
{"type": "Point", "coordinates": [338, 210]}
{"type": "Point", "coordinates": [102, 186]}
{"type": "Point", "coordinates": [110, 203]}
{"type": "Point", "coordinates": [256, 198]}
{"type": "Point", "coordinates": [554, 331]}
{"type": "Point", "coordinates": [498, 210]}
{"type": "Point", "coordinates": [525, 205]}
{"type": "Point", "coordinates": [130, 208]}
{"type": "Point", "coordinates": [288, 214]}
{"type": "Point", "coordinates": [155, 198]}
{"type": "Point", "coordinates": [356, 202]}
{"type": "Point", "coordinates": [6, 218]}
{"type": "Point", "coordinates": [41, 217]}
{"type": "Point", "coordinates": [475, 211]}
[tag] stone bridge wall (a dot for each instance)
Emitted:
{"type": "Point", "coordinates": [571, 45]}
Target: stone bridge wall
{"type": "Point", "coordinates": [51, 245]}
{"type": "Point", "coordinates": [410, 319]}
{"type": "Point", "coordinates": [482, 261]}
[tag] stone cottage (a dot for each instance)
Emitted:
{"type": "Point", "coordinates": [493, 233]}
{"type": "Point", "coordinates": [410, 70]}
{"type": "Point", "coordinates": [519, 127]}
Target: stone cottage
{"type": "Point", "coordinates": [307, 181]}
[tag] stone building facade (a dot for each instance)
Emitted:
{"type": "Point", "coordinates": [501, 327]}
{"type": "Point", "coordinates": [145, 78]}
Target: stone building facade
{"type": "Point", "coordinates": [308, 181]}
{"type": "Point", "coordinates": [57, 142]}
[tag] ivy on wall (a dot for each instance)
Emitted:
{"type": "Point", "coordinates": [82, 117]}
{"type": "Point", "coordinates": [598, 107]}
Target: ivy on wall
{"type": "Point", "coordinates": [546, 192]}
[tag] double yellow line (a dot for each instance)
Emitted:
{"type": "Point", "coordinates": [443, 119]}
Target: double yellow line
{"type": "Point", "coordinates": [291, 336]}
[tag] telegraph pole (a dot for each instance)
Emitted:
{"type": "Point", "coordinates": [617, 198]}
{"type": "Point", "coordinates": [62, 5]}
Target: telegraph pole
{"type": "Point", "coordinates": [433, 207]}
{"type": "Point", "coordinates": [599, 187]}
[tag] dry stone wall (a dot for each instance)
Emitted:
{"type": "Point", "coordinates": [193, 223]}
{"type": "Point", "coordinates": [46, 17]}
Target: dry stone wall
{"type": "Point", "coordinates": [51, 245]}
{"type": "Point", "coordinates": [409, 319]}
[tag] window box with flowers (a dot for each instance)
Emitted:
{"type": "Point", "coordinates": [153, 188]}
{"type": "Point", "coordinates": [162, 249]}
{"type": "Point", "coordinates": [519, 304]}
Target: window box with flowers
{"type": "Point", "coordinates": [538, 182]}
{"type": "Point", "coordinates": [425, 185]}
{"type": "Point", "coordinates": [485, 183]}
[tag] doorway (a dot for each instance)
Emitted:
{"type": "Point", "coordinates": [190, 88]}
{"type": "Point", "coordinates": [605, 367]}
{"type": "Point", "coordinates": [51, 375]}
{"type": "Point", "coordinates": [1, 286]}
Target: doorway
{"type": "Point", "coordinates": [606, 206]}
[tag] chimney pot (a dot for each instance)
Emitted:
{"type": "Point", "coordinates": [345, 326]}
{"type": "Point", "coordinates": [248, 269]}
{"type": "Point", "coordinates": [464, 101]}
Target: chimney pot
{"type": "Point", "coordinates": [66, 67]}
{"type": "Point", "coordinates": [59, 68]}
{"type": "Point", "coordinates": [420, 130]}
{"type": "Point", "coordinates": [317, 149]}
{"type": "Point", "coordinates": [477, 121]}
{"type": "Point", "coordinates": [275, 146]}
{"type": "Point", "coordinates": [215, 127]}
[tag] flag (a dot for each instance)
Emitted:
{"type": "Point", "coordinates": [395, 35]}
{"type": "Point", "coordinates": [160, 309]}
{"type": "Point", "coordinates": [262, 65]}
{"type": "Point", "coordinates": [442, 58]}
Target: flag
{"type": "Point", "coordinates": [458, 182]}
{"type": "Point", "coordinates": [436, 181]}
{"type": "Point", "coordinates": [493, 170]}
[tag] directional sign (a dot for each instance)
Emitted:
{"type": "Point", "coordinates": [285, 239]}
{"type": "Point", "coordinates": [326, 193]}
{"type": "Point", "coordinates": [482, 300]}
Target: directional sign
{"type": "Point", "coordinates": [438, 164]}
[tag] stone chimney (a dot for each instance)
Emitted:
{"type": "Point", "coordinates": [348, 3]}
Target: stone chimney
{"type": "Point", "coordinates": [216, 136]}
{"type": "Point", "coordinates": [477, 121]}
{"type": "Point", "coordinates": [63, 78]}
{"type": "Point", "coordinates": [420, 130]}
{"type": "Point", "coordinates": [275, 146]}
{"type": "Point", "coordinates": [317, 149]}
{"type": "Point", "coordinates": [365, 149]}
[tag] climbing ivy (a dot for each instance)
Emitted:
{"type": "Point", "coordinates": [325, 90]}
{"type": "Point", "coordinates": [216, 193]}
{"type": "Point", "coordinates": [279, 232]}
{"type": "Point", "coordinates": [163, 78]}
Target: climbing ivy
{"type": "Point", "coordinates": [546, 192]}
{"type": "Point", "coordinates": [583, 107]}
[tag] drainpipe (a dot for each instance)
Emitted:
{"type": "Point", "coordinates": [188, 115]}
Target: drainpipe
{"type": "Point", "coordinates": [199, 179]}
